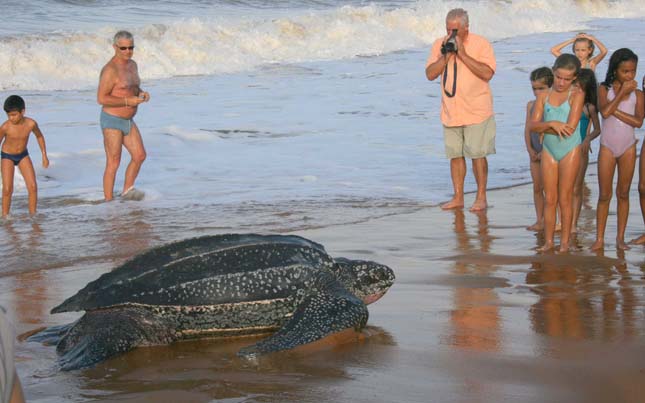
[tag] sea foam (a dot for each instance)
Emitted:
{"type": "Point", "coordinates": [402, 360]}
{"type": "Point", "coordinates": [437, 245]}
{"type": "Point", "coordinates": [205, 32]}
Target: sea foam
{"type": "Point", "coordinates": [205, 45]}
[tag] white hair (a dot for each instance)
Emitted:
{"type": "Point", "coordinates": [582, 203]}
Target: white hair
{"type": "Point", "coordinates": [122, 35]}
{"type": "Point", "coordinates": [458, 14]}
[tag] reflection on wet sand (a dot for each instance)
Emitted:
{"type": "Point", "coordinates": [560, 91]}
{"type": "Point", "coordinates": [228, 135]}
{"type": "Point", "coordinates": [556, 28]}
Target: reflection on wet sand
{"type": "Point", "coordinates": [30, 297]}
{"type": "Point", "coordinates": [127, 233]}
{"type": "Point", "coordinates": [475, 318]}
{"type": "Point", "coordinates": [22, 241]}
{"type": "Point", "coordinates": [29, 288]}
{"type": "Point", "coordinates": [593, 302]}
{"type": "Point", "coordinates": [206, 369]}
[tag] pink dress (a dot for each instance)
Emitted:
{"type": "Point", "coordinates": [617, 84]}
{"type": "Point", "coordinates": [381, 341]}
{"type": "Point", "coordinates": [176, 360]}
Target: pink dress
{"type": "Point", "coordinates": [615, 134]}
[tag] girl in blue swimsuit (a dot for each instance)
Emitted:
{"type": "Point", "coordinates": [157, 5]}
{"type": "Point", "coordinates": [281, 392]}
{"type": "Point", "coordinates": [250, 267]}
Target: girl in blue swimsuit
{"type": "Point", "coordinates": [557, 115]}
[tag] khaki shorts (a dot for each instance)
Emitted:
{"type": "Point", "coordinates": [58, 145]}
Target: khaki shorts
{"type": "Point", "coordinates": [472, 141]}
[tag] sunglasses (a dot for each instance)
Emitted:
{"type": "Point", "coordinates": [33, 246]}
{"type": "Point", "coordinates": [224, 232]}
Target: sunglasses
{"type": "Point", "coordinates": [126, 47]}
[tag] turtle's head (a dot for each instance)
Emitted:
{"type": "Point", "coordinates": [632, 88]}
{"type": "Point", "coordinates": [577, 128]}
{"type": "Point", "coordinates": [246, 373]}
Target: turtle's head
{"type": "Point", "coordinates": [368, 280]}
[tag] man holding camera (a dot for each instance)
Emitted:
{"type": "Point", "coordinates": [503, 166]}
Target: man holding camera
{"type": "Point", "coordinates": [466, 63]}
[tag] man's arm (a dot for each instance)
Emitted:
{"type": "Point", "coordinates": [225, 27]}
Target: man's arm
{"type": "Point", "coordinates": [144, 95]}
{"type": "Point", "coordinates": [481, 70]}
{"type": "Point", "coordinates": [434, 70]}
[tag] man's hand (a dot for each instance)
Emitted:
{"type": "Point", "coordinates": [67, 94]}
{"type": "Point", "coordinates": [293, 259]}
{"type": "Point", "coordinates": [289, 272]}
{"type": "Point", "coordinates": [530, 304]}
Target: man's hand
{"type": "Point", "coordinates": [134, 100]}
{"type": "Point", "coordinates": [461, 49]}
{"type": "Point", "coordinates": [144, 95]}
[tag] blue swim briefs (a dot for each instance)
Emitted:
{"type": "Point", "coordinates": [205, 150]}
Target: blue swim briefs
{"type": "Point", "coordinates": [114, 122]}
{"type": "Point", "coordinates": [16, 158]}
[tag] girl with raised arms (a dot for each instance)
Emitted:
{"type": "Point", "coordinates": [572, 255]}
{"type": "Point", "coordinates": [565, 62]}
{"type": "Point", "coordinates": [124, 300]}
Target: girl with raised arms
{"type": "Point", "coordinates": [583, 46]}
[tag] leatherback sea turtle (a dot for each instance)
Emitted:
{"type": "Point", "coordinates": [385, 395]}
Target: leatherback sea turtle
{"type": "Point", "coordinates": [222, 285]}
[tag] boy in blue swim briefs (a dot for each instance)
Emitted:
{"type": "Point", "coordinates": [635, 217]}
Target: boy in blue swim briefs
{"type": "Point", "coordinates": [15, 134]}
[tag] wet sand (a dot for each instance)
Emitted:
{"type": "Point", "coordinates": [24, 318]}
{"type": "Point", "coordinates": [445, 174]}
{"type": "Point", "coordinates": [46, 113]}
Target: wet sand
{"type": "Point", "coordinates": [475, 315]}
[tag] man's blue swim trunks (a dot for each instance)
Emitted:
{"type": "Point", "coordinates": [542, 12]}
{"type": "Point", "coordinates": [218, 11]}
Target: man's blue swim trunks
{"type": "Point", "coordinates": [114, 122]}
{"type": "Point", "coordinates": [16, 158]}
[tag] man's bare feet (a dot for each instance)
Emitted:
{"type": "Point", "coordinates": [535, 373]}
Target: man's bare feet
{"type": "Point", "coordinates": [548, 246]}
{"type": "Point", "coordinates": [599, 244]}
{"type": "Point", "coordinates": [620, 244]}
{"type": "Point", "coordinates": [638, 241]}
{"type": "Point", "coordinates": [564, 248]}
{"type": "Point", "coordinates": [453, 204]}
{"type": "Point", "coordinates": [479, 205]}
{"type": "Point", "coordinates": [537, 226]}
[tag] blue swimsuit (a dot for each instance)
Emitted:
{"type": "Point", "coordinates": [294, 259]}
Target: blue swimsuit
{"type": "Point", "coordinates": [114, 122]}
{"type": "Point", "coordinates": [584, 123]}
{"type": "Point", "coordinates": [554, 145]}
{"type": "Point", "coordinates": [15, 158]}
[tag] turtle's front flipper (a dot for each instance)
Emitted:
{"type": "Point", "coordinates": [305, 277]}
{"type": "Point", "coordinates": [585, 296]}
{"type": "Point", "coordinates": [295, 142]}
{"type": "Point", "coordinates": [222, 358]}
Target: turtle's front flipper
{"type": "Point", "coordinates": [328, 308]}
{"type": "Point", "coordinates": [51, 335]}
{"type": "Point", "coordinates": [99, 335]}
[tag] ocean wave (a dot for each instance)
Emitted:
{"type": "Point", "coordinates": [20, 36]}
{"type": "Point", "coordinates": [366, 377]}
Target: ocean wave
{"type": "Point", "coordinates": [210, 45]}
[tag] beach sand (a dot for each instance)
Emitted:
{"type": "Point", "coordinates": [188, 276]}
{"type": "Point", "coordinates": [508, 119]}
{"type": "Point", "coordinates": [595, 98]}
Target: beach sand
{"type": "Point", "coordinates": [475, 315]}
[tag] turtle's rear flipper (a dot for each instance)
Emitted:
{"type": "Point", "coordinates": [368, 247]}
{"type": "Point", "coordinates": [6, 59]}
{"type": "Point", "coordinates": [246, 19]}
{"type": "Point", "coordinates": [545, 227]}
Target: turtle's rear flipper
{"type": "Point", "coordinates": [99, 335]}
{"type": "Point", "coordinates": [329, 308]}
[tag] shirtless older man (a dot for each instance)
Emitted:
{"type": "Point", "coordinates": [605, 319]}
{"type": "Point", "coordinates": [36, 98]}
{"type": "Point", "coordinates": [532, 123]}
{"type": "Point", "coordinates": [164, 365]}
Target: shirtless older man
{"type": "Point", "coordinates": [120, 95]}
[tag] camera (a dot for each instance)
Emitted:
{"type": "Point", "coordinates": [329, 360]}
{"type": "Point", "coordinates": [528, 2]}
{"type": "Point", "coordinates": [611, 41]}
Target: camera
{"type": "Point", "coordinates": [451, 44]}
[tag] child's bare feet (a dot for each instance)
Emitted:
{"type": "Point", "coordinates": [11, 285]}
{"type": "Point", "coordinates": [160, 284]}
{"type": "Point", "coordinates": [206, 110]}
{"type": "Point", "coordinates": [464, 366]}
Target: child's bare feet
{"type": "Point", "coordinates": [537, 226]}
{"type": "Point", "coordinates": [638, 241]}
{"type": "Point", "coordinates": [548, 246]}
{"type": "Point", "coordinates": [453, 204]}
{"type": "Point", "coordinates": [558, 227]}
{"type": "Point", "coordinates": [564, 247]}
{"type": "Point", "coordinates": [620, 244]}
{"type": "Point", "coordinates": [599, 244]}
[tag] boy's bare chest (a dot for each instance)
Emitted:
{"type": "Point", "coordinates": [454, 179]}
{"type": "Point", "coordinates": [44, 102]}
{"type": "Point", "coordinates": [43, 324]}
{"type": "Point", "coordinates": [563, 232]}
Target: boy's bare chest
{"type": "Point", "coordinates": [18, 132]}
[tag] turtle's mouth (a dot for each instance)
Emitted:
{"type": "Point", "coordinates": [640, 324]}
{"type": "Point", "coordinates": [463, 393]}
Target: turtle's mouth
{"type": "Point", "coordinates": [373, 298]}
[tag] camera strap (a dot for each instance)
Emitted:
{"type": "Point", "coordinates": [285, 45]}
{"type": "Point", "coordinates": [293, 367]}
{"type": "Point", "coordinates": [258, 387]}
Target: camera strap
{"type": "Point", "coordinates": [454, 80]}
